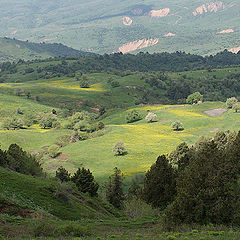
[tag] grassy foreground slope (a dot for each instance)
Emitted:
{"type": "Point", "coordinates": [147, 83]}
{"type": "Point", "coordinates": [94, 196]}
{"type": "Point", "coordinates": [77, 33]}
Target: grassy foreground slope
{"type": "Point", "coordinates": [30, 209]}
{"type": "Point", "coordinates": [39, 195]}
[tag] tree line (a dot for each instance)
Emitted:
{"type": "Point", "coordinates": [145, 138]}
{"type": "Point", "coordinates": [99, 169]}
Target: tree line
{"type": "Point", "coordinates": [141, 62]}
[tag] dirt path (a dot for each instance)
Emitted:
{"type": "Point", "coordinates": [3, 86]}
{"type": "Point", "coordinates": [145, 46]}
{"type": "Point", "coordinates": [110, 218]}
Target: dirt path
{"type": "Point", "coordinates": [215, 112]}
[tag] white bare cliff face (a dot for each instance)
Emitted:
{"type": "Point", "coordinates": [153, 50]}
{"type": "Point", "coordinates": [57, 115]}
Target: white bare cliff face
{"type": "Point", "coordinates": [160, 13]}
{"type": "Point", "coordinates": [138, 44]}
{"type": "Point", "coordinates": [226, 31]}
{"type": "Point", "coordinates": [234, 50]}
{"type": "Point", "coordinates": [209, 7]}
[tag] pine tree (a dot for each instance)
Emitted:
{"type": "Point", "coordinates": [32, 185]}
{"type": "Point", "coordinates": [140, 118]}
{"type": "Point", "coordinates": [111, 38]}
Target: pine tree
{"type": "Point", "coordinates": [160, 185]}
{"type": "Point", "coordinates": [85, 182]}
{"type": "Point", "coordinates": [180, 156]}
{"type": "Point", "coordinates": [205, 189]}
{"type": "Point", "coordinates": [114, 189]}
{"type": "Point", "coordinates": [62, 174]}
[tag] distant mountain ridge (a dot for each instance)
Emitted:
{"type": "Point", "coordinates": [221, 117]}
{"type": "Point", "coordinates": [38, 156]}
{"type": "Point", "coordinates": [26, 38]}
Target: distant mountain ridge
{"type": "Point", "coordinates": [12, 49]}
{"type": "Point", "coordinates": [105, 26]}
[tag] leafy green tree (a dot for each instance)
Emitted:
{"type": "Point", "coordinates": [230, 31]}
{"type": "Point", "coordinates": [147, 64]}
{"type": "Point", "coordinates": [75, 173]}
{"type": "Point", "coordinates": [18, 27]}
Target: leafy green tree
{"type": "Point", "coordinates": [84, 82]}
{"type": "Point", "coordinates": [82, 126]}
{"type": "Point", "coordinates": [236, 107]}
{"type": "Point", "coordinates": [114, 189]}
{"type": "Point", "coordinates": [47, 120]}
{"type": "Point", "coordinates": [22, 162]}
{"type": "Point", "coordinates": [63, 174]}
{"type": "Point", "coordinates": [85, 182]}
{"type": "Point", "coordinates": [119, 149]}
{"type": "Point", "coordinates": [115, 83]}
{"type": "Point", "coordinates": [133, 116]}
{"type": "Point", "coordinates": [231, 101]}
{"type": "Point", "coordinates": [180, 156]}
{"type": "Point", "coordinates": [12, 123]}
{"type": "Point", "coordinates": [160, 184]}
{"type": "Point", "coordinates": [194, 98]}
{"type": "Point", "coordinates": [177, 126]}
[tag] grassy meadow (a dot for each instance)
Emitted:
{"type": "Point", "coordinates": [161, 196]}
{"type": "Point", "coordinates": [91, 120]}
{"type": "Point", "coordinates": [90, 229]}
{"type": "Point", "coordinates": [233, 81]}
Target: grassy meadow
{"type": "Point", "coordinates": [144, 141]}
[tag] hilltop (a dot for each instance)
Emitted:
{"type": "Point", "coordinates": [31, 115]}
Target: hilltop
{"type": "Point", "coordinates": [199, 27]}
{"type": "Point", "coordinates": [13, 49]}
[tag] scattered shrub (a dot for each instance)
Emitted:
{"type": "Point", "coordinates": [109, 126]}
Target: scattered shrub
{"type": "Point", "coordinates": [177, 126]}
{"type": "Point", "coordinates": [137, 208]}
{"type": "Point", "coordinates": [231, 101]}
{"type": "Point", "coordinates": [119, 149]}
{"type": "Point", "coordinates": [133, 116]}
{"type": "Point", "coordinates": [12, 123]}
{"type": "Point", "coordinates": [53, 151]}
{"type": "Point", "coordinates": [236, 107]}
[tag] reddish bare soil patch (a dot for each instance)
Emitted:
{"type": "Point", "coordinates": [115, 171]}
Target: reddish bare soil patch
{"type": "Point", "coordinates": [63, 156]}
{"type": "Point", "coordinates": [215, 112]}
{"type": "Point", "coordinates": [95, 110]}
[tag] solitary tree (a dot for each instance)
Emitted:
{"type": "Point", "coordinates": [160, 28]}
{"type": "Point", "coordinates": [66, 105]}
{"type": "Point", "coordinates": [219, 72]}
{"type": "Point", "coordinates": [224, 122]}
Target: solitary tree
{"type": "Point", "coordinates": [114, 189]}
{"type": "Point", "coordinates": [53, 151]}
{"type": "Point", "coordinates": [133, 116]}
{"type": "Point", "coordinates": [177, 126]}
{"type": "Point", "coordinates": [151, 117]}
{"type": "Point", "coordinates": [119, 149]}
{"type": "Point", "coordinates": [194, 98]}
{"type": "Point", "coordinates": [231, 101]}
{"type": "Point", "coordinates": [236, 107]}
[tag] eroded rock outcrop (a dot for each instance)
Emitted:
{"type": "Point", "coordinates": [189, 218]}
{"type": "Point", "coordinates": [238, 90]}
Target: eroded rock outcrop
{"type": "Point", "coordinates": [139, 44]}
{"type": "Point", "coordinates": [160, 13]}
{"type": "Point", "coordinates": [209, 7]}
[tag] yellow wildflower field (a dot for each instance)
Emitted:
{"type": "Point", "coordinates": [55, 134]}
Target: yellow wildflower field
{"type": "Point", "coordinates": [97, 87]}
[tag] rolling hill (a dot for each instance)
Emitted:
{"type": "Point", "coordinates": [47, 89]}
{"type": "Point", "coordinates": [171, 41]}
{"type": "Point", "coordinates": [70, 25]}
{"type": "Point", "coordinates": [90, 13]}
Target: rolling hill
{"type": "Point", "coordinates": [200, 27]}
{"type": "Point", "coordinates": [12, 49]}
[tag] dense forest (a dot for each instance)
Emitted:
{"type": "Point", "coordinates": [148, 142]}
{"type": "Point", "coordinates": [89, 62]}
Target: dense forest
{"type": "Point", "coordinates": [142, 62]}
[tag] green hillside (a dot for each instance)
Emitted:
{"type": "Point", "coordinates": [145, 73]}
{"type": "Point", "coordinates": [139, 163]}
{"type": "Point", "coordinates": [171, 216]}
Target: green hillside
{"type": "Point", "coordinates": [12, 49]}
{"type": "Point", "coordinates": [65, 95]}
{"type": "Point", "coordinates": [199, 27]}
{"type": "Point", "coordinates": [71, 111]}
